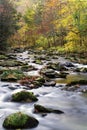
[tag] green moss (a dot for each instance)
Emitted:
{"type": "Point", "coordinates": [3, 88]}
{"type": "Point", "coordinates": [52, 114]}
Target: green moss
{"type": "Point", "coordinates": [27, 68]}
{"type": "Point", "coordinates": [81, 82]}
{"type": "Point", "coordinates": [11, 63]}
{"type": "Point", "coordinates": [11, 75]}
{"type": "Point", "coordinates": [38, 62]}
{"type": "Point", "coordinates": [19, 120]}
{"type": "Point", "coordinates": [42, 109]}
{"type": "Point", "coordinates": [74, 78]}
{"type": "Point", "coordinates": [3, 57]}
{"type": "Point", "coordinates": [24, 96]}
{"type": "Point", "coordinates": [40, 79]}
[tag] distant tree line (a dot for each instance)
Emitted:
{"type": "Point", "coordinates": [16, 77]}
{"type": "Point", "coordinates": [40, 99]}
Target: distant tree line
{"type": "Point", "coordinates": [50, 24]}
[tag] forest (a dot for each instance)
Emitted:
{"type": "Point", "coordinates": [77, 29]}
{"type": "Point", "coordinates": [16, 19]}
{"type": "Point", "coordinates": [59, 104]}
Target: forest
{"type": "Point", "coordinates": [44, 24]}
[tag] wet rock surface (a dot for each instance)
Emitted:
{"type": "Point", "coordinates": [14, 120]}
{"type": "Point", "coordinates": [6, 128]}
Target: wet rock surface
{"type": "Point", "coordinates": [11, 75]}
{"type": "Point", "coordinates": [19, 121]}
{"type": "Point", "coordinates": [24, 96]}
{"type": "Point", "coordinates": [42, 109]}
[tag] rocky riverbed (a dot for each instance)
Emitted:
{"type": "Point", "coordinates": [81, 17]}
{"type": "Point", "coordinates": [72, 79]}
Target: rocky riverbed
{"type": "Point", "coordinates": [54, 83]}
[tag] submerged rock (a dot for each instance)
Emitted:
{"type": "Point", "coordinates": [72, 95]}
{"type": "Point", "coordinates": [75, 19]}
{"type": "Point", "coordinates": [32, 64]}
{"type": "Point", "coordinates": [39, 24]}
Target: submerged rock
{"type": "Point", "coordinates": [24, 96]}
{"type": "Point", "coordinates": [19, 121]}
{"type": "Point", "coordinates": [42, 109]}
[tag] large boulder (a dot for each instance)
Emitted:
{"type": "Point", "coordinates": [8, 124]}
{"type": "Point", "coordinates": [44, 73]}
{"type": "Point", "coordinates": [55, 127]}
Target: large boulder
{"type": "Point", "coordinates": [19, 121]}
{"type": "Point", "coordinates": [24, 96]}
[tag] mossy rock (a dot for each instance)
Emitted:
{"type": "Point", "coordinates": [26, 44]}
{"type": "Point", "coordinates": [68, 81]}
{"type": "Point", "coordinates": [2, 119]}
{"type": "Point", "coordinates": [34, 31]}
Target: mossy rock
{"type": "Point", "coordinates": [3, 57]}
{"type": "Point", "coordinates": [83, 61]}
{"type": "Point", "coordinates": [37, 84]}
{"type": "Point", "coordinates": [83, 70]}
{"type": "Point", "coordinates": [50, 73]}
{"type": "Point", "coordinates": [38, 62]}
{"type": "Point", "coordinates": [11, 56]}
{"type": "Point", "coordinates": [42, 109]}
{"type": "Point", "coordinates": [63, 74]}
{"type": "Point", "coordinates": [19, 121]}
{"type": "Point", "coordinates": [27, 68]}
{"type": "Point", "coordinates": [11, 75]}
{"type": "Point", "coordinates": [24, 96]}
{"type": "Point", "coordinates": [50, 83]}
{"type": "Point", "coordinates": [32, 81]}
{"type": "Point", "coordinates": [39, 81]}
{"type": "Point", "coordinates": [80, 79]}
{"type": "Point", "coordinates": [57, 66]}
{"type": "Point", "coordinates": [81, 82]}
{"type": "Point", "coordinates": [73, 79]}
{"type": "Point", "coordinates": [11, 63]}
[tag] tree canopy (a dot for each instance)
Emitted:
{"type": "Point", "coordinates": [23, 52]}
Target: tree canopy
{"type": "Point", "coordinates": [47, 23]}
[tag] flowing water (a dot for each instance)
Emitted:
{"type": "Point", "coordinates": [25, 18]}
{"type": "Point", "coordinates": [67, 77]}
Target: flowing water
{"type": "Point", "coordinates": [73, 104]}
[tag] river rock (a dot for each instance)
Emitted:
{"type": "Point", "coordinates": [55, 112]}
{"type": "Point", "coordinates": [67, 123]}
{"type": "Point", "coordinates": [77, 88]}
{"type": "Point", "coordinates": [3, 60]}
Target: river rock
{"type": "Point", "coordinates": [11, 75]}
{"type": "Point", "coordinates": [27, 68]}
{"type": "Point", "coordinates": [24, 96]}
{"type": "Point", "coordinates": [57, 66]}
{"type": "Point", "coordinates": [3, 57]}
{"type": "Point", "coordinates": [69, 64]}
{"type": "Point", "coordinates": [77, 82]}
{"type": "Point", "coordinates": [38, 61]}
{"type": "Point", "coordinates": [42, 109]}
{"type": "Point", "coordinates": [32, 81]}
{"type": "Point", "coordinates": [83, 70]}
{"type": "Point", "coordinates": [63, 74]}
{"type": "Point", "coordinates": [49, 73]}
{"type": "Point", "coordinates": [50, 83]}
{"type": "Point", "coordinates": [19, 121]}
{"type": "Point", "coordinates": [11, 63]}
